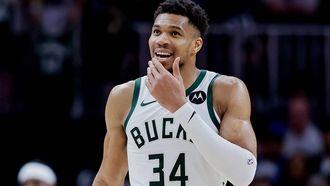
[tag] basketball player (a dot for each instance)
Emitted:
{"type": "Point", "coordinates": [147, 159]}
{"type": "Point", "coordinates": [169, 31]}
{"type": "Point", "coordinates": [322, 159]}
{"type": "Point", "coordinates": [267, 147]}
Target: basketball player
{"type": "Point", "coordinates": [178, 125]}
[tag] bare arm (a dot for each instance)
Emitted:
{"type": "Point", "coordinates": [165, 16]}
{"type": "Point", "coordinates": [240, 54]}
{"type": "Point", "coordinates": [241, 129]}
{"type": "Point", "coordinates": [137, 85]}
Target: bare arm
{"type": "Point", "coordinates": [232, 102]}
{"type": "Point", "coordinates": [114, 167]}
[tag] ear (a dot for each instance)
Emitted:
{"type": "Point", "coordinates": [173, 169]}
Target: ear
{"type": "Point", "coordinates": [197, 45]}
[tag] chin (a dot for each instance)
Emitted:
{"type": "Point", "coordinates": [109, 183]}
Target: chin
{"type": "Point", "coordinates": [167, 65]}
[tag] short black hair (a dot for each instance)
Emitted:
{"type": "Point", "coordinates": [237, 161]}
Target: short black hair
{"type": "Point", "coordinates": [196, 14]}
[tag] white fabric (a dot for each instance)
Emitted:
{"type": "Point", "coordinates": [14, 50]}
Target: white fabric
{"type": "Point", "coordinates": [159, 133]}
{"type": "Point", "coordinates": [37, 171]}
{"type": "Point", "coordinates": [235, 163]}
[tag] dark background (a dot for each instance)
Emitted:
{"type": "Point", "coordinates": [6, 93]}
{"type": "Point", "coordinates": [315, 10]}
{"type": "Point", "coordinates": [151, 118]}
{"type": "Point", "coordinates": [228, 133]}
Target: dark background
{"type": "Point", "coordinates": [59, 60]}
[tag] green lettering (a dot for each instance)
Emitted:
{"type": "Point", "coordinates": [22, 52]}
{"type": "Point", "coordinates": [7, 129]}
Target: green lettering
{"type": "Point", "coordinates": [155, 134]}
{"type": "Point", "coordinates": [167, 120]}
{"type": "Point", "coordinates": [136, 134]}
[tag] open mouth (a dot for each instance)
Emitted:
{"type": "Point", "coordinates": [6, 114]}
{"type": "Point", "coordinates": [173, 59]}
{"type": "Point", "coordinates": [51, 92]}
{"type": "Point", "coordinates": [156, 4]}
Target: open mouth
{"type": "Point", "coordinates": [163, 55]}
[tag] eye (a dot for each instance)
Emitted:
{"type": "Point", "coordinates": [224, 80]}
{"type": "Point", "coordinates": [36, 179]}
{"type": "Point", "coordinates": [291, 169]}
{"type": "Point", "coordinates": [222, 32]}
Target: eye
{"type": "Point", "coordinates": [156, 32]}
{"type": "Point", "coordinates": [175, 34]}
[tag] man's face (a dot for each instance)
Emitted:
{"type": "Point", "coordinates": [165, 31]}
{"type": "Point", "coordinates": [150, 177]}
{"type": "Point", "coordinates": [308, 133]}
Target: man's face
{"type": "Point", "coordinates": [298, 114]}
{"type": "Point", "coordinates": [34, 182]}
{"type": "Point", "coordinates": [172, 36]}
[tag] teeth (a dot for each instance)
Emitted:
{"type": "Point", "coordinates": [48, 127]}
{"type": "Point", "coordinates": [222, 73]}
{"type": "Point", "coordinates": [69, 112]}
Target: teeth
{"type": "Point", "coordinates": [163, 53]}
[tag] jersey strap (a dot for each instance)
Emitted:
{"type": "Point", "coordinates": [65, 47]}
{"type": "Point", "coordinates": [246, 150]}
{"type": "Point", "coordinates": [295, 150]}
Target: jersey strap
{"type": "Point", "coordinates": [134, 100]}
{"type": "Point", "coordinates": [197, 82]}
{"type": "Point", "coordinates": [210, 107]}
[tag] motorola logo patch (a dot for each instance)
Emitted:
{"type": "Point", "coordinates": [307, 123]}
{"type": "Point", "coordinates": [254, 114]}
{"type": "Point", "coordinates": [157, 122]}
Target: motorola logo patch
{"type": "Point", "coordinates": [197, 97]}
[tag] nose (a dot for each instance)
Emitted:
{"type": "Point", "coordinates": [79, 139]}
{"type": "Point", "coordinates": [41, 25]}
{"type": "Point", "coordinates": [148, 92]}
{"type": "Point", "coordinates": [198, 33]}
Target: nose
{"type": "Point", "coordinates": [162, 39]}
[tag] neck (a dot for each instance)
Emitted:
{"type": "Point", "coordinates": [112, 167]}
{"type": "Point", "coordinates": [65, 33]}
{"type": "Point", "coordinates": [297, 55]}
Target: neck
{"type": "Point", "coordinates": [189, 76]}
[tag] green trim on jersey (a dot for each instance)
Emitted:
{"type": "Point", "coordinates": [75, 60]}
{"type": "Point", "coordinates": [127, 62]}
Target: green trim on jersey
{"type": "Point", "coordinates": [197, 82]}
{"type": "Point", "coordinates": [134, 100]}
{"type": "Point", "coordinates": [210, 102]}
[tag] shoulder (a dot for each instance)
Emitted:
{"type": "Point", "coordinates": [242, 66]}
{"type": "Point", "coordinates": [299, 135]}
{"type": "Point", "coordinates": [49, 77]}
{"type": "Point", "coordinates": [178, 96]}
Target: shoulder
{"type": "Point", "coordinates": [229, 84]}
{"type": "Point", "coordinates": [121, 91]}
{"type": "Point", "coordinates": [230, 90]}
{"type": "Point", "coordinates": [119, 100]}
{"type": "Point", "coordinates": [225, 81]}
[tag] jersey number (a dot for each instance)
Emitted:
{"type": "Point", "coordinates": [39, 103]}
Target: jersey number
{"type": "Point", "coordinates": [179, 164]}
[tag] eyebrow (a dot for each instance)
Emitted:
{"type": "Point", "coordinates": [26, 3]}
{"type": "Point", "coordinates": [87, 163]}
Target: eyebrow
{"type": "Point", "coordinates": [171, 26]}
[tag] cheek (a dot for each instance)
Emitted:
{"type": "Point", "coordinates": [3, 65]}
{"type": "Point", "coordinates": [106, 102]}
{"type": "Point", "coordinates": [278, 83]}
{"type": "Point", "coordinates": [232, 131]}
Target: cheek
{"type": "Point", "coordinates": [150, 43]}
{"type": "Point", "coordinates": [184, 47]}
{"type": "Point", "coordinates": [189, 50]}
{"type": "Point", "coordinates": [192, 51]}
{"type": "Point", "coordinates": [151, 40]}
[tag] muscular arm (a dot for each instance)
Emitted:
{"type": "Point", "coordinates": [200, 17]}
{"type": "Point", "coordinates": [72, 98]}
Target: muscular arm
{"type": "Point", "coordinates": [113, 169]}
{"type": "Point", "coordinates": [232, 152]}
{"type": "Point", "coordinates": [232, 102]}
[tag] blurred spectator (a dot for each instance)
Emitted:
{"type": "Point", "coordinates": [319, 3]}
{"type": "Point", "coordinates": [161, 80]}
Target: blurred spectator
{"type": "Point", "coordinates": [50, 71]}
{"type": "Point", "coordinates": [302, 135]}
{"type": "Point", "coordinates": [85, 177]}
{"type": "Point", "coordinates": [36, 173]}
{"type": "Point", "coordinates": [303, 144]}
{"type": "Point", "coordinates": [296, 171]}
{"type": "Point", "coordinates": [109, 52]}
{"type": "Point", "coordinates": [266, 174]}
{"type": "Point", "coordinates": [317, 180]}
{"type": "Point", "coordinates": [270, 161]}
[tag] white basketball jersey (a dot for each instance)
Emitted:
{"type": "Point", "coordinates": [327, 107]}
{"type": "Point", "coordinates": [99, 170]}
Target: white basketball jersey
{"type": "Point", "coordinates": [159, 150]}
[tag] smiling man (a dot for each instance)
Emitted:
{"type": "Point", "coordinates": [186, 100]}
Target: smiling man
{"type": "Point", "coordinates": [178, 125]}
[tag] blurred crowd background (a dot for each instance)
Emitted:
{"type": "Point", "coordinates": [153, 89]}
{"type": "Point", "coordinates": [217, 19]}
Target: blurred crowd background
{"type": "Point", "coordinates": [60, 58]}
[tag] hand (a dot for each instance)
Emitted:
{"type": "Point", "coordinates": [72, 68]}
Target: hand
{"type": "Point", "coordinates": [168, 89]}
